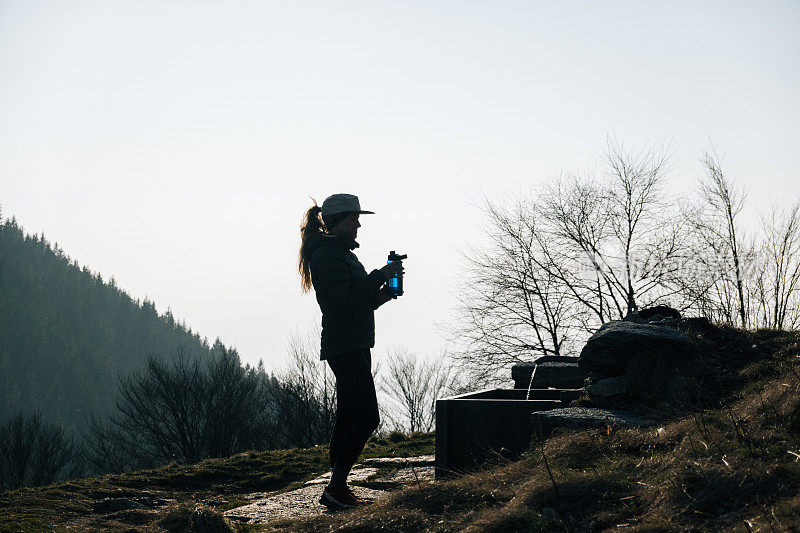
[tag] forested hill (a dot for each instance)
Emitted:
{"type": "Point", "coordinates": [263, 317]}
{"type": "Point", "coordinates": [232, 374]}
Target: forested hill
{"type": "Point", "coordinates": [66, 335]}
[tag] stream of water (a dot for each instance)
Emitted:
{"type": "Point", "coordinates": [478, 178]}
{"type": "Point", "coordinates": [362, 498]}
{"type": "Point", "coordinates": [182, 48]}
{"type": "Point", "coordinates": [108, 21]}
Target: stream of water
{"type": "Point", "coordinates": [530, 383]}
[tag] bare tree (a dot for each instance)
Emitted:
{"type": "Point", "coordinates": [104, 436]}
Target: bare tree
{"type": "Point", "coordinates": [587, 248]}
{"type": "Point", "coordinates": [236, 414]}
{"type": "Point", "coordinates": [721, 240]}
{"type": "Point", "coordinates": [305, 400]}
{"type": "Point", "coordinates": [704, 288]}
{"type": "Point", "coordinates": [576, 253]}
{"type": "Point", "coordinates": [413, 384]}
{"type": "Point", "coordinates": [33, 452]}
{"type": "Point", "coordinates": [186, 411]}
{"type": "Point", "coordinates": [512, 303]}
{"type": "Point", "coordinates": [622, 225]}
{"type": "Point", "coordinates": [777, 285]}
{"type": "Point", "coordinates": [573, 235]}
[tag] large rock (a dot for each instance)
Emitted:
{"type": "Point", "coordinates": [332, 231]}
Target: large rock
{"type": "Point", "coordinates": [607, 388]}
{"type": "Point", "coordinates": [609, 351]}
{"type": "Point", "coordinates": [663, 311]}
{"type": "Point", "coordinates": [558, 375]}
{"type": "Point", "coordinates": [550, 371]}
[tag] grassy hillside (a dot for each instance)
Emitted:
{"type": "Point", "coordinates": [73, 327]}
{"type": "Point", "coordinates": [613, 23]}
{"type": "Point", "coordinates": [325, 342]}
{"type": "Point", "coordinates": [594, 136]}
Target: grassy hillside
{"type": "Point", "coordinates": [733, 467]}
{"type": "Point", "coordinates": [730, 465]}
{"type": "Point", "coordinates": [214, 484]}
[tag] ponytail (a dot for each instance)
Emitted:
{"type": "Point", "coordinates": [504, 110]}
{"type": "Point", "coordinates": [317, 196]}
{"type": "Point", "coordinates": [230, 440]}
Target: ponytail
{"type": "Point", "coordinates": [312, 224]}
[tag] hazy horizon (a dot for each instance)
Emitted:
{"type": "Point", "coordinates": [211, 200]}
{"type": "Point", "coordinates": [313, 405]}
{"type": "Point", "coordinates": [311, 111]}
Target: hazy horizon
{"type": "Point", "coordinates": [174, 146]}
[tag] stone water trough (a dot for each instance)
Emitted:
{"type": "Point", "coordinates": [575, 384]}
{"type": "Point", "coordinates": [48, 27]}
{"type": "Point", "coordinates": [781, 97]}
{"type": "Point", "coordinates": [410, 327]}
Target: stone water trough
{"type": "Point", "coordinates": [647, 358]}
{"type": "Point", "coordinates": [476, 427]}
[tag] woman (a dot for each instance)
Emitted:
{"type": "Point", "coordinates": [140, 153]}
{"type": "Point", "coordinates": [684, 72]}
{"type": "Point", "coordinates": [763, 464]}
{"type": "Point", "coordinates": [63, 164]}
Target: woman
{"type": "Point", "coordinates": [347, 297]}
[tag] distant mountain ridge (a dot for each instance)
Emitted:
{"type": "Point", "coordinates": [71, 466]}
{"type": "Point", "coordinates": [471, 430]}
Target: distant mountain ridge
{"type": "Point", "coordinates": [66, 335]}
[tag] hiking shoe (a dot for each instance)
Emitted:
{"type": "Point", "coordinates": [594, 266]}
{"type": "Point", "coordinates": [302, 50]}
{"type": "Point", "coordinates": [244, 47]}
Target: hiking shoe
{"type": "Point", "coordinates": [360, 500]}
{"type": "Point", "coordinates": [338, 499]}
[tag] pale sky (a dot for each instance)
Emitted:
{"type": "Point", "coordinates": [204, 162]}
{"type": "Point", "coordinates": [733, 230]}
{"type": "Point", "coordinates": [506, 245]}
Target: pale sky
{"type": "Point", "coordinates": [174, 145]}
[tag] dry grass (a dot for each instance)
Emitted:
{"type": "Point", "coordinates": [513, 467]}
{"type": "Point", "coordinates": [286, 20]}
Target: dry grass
{"type": "Point", "coordinates": [733, 464]}
{"type": "Point", "coordinates": [728, 462]}
{"type": "Point", "coordinates": [197, 519]}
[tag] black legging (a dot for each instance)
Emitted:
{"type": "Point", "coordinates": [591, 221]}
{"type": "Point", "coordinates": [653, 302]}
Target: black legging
{"type": "Point", "coordinates": [356, 406]}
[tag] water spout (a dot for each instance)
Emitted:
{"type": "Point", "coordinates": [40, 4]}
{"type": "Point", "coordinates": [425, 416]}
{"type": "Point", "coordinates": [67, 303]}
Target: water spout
{"type": "Point", "coordinates": [530, 383]}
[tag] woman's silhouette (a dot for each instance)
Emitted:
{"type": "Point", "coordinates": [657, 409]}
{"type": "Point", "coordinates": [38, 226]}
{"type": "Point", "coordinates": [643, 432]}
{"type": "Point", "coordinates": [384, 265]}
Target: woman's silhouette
{"type": "Point", "coordinates": [347, 297]}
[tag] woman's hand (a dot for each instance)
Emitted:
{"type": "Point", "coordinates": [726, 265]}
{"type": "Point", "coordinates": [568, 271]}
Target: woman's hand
{"type": "Point", "coordinates": [382, 297]}
{"type": "Point", "coordinates": [393, 269]}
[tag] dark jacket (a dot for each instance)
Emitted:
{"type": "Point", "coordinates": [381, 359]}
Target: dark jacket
{"type": "Point", "coordinates": [346, 294]}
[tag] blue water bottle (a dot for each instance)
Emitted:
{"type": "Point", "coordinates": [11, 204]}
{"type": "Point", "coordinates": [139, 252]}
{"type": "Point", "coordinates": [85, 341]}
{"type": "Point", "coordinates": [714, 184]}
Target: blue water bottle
{"type": "Point", "coordinates": [395, 285]}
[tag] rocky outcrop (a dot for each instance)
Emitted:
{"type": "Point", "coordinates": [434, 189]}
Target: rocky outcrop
{"type": "Point", "coordinates": [615, 344]}
{"type": "Point", "coordinates": [651, 361]}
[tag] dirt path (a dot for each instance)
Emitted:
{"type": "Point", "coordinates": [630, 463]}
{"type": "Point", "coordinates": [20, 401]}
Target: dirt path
{"type": "Point", "coordinates": [388, 472]}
